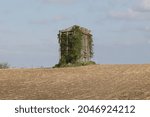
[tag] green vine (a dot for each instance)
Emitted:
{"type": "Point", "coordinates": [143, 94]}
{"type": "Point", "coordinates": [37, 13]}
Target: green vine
{"type": "Point", "coordinates": [71, 47]}
{"type": "Point", "coordinates": [91, 46]}
{"type": "Point", "coordinates": [63, 48]}
{"type": "Point", "coordinates": [75, 45]}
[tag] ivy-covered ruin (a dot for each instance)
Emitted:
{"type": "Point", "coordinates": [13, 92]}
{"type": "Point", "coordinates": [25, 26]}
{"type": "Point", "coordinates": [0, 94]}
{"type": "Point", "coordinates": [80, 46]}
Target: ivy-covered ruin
{"type": "Point", "coordinates": [76, 46]}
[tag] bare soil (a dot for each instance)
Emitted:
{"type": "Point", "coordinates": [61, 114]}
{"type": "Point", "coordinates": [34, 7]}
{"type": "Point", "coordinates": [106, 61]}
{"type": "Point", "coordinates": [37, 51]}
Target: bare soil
{"type": "Point", "coordinates": [88, 82]}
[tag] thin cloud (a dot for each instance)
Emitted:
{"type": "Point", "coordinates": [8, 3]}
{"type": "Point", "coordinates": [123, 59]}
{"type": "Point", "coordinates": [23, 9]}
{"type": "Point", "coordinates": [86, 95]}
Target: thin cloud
{"type": "Point", "coordinates": [126, 15]}
{"type": "Point", "coordinates": [58, 18]}
{"type": "Point", "coordinates": [129, 14]}
{"type": "Point", "coordinates": [138, 11]}
{"type": "Point", "coordinates": [40, 22]}
{"type": "Point", "coordinates": [6, 52]}
{"type": "Point", "coordinates": [48, 21]}
{"type": "Point", "coordinates": [6, 31]}
{"type": "Point", "coordinates": [131, 28]}
{"type": "Point", "coordinates": [57, 1]}
{"type": "Point", "coordinates": [142, 6]}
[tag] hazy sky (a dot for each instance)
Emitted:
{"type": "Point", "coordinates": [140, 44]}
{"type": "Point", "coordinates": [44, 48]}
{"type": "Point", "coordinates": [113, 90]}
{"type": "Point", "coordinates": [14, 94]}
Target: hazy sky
{"type": "Point", "coordinates": [28, 30]}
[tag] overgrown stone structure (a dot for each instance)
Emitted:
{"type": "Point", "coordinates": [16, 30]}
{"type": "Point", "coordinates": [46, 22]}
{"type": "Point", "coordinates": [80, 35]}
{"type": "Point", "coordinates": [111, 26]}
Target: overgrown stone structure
{"type": "Point", "coordinates": [76, 45]}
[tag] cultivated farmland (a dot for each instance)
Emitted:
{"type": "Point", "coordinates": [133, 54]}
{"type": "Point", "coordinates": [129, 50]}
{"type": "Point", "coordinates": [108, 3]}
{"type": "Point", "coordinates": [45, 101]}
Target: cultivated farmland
{"type": "Point", "coordinates": [87, 82]}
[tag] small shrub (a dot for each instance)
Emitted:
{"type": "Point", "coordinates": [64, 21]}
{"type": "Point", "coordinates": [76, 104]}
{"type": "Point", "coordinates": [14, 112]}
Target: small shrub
{"type": "Point", "coordinates": [4, 66]}
{"type": "Point", "coordinates": [75, 64]}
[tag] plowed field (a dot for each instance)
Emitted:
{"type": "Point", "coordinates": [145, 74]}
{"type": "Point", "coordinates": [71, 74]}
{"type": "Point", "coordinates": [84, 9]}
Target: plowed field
{"type": "Point", "coordinates": [87, 82]}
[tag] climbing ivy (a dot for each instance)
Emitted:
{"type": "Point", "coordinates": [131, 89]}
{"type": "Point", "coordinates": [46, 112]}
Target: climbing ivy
{"type": "Point", "coordinates": [63, 48]}
{"type": "Point", "coordinates": [75, 45]}
{"type": "Point", "coordinates": [71, 47]}
{"type": "Point", "coordinates": [91, 46]}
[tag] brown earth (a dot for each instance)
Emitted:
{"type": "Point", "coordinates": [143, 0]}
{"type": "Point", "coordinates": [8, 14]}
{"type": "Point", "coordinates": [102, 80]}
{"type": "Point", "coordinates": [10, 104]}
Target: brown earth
{"type": "Point", "coordinates": [88, 82]}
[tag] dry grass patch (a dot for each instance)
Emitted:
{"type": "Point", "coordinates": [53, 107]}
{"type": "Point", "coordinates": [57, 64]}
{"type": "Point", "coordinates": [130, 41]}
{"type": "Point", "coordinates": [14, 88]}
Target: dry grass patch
{"type": "Point", "coordinates": [87, 82]}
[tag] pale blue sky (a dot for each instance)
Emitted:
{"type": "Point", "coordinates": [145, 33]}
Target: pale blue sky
{"type": "Point", "coordinates": [28, 30]}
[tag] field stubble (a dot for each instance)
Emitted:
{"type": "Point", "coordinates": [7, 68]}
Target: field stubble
{"type": "Point", "coordinates": [88, 82]}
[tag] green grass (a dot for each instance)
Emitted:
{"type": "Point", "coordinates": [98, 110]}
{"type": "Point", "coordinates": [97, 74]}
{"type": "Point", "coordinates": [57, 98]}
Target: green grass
{"type": "Point", "coordinates": [75, 64]}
